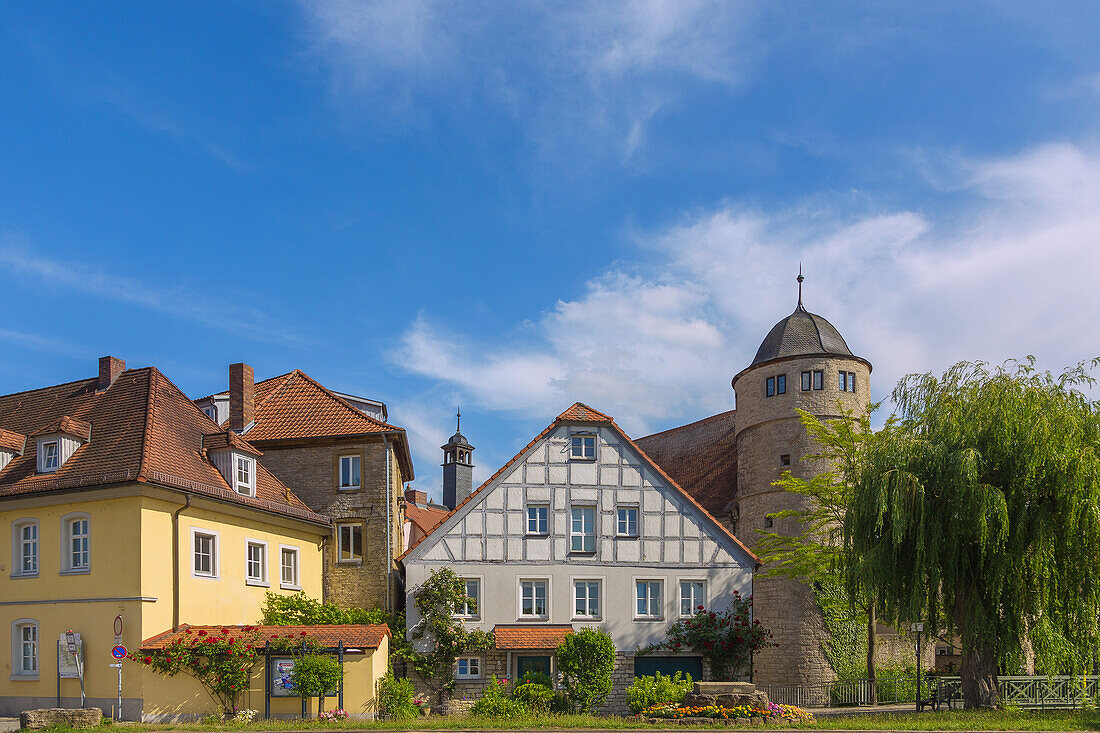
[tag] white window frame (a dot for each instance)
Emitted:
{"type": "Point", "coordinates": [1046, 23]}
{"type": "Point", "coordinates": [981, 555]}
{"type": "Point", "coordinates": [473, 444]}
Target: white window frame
{"type": "Point", "coordinates": [660, 615]}
{"type": "Point", "coordinates": [573, 583]}
{"type": "Point", "coordinates": [695, 603]}
{"type": "Point", "coordinates": [544, 520]}
{"type": "Point", "coordinates": [351, 559]}
{"type": "Point", "coordinates": [296, 585]}
{"type": "Point", "coordinates": [591, 508]}
{"type": "Point", "coordinates": [249, 487]}
{"type": "Point", "coordinates": [468, 675]}
{"type": "Point", "coordinates": [250, 579]}
{"type": "Point", "coordinates": [464, 611]}
{"type": "Point", "coordinates": [43, 465]}
{"type": "Point", "coordinates": [215, 559]}
{"type": "Point", "coordinates": [534, 597]}
{"type": "Point", "coordinates": [67, 521]}
{"type": "Point", "coordinates": [17, 547]}
{"type": "Point", "coordinates": [583, 437]}
{"type": "Point", "coordinates": [351, 458]}
{"type": "Point", "coordinates": [211, 412]}
{"type": "Point", "coordinates": [17, 658]}
{"type": "Point", "coordinates": [619, 520]}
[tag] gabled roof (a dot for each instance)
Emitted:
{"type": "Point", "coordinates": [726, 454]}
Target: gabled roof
{"type": "Point", "coordinates": [143, 429]}
{"type": "Point", "coordinates": [67, 425]}
{"type": "Point", "coordinates": [424, 517]}
{"type": "Point", "coordinates": [350, 635]}
{"type": "Point", "coordinates": [527, 636]}
{"type": "Point", "coordinates": [294, 406]}
{"type": "Point", "coordinates": [586, 415]}
{"type": "Point", "coordinates": [702, 457]}
{"type": "Point", "coordinates": [228, 439]}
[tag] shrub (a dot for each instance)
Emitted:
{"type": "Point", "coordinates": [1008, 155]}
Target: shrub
{"type": "Point", "coordinates": [395, 698]}
{"type": "Point", "coordinates": [495, 702]}
{"type": "Point", "coordinates": [535, 697]}
{"type": "Point", "coordinates": [660, 689]}
{"type": "Point", "coordinates": [538, 678]}
{"type": "Point", "coordinates": [587, 661]}
{"type": "Point", "coordinates": [316, 674]}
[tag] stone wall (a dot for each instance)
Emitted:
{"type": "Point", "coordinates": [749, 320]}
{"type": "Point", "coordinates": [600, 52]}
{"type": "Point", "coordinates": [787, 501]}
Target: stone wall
{"type": "Point", "coordinates": [312, 472]}
{"type": "Point", "coordinates": [48, 717]}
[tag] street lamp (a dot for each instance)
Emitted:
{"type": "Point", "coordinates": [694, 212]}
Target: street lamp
{"type": "Point", "coordinates": [918, 628]}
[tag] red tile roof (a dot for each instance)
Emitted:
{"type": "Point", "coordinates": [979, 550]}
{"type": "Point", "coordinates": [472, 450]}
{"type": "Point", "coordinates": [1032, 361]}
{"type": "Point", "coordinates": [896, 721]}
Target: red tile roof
{"type": "Point", "coordinates": [143, 429]}
{"type": "Point", "coordinates": [294, 406]}
{"type": "Point", "coordinates": [13, 442]}
{"type": "Point", "coordinates": [530, 637]}
{"type": "Point", "coordinates": [350, 635]}
{"type": "Point", "coordinates": [68, 425]}
{"type": "Point", "coordinates": [228, 439]}
{"type": "Point", "coordinates": [425, 517]}
{"type": "Point", "coordinates": [588, 415]}
{"type": "Point", "coordinates": [702, 457]}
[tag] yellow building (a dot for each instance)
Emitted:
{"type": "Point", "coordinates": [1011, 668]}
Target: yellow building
{"type": "Point", "coordinates": [120, 498]}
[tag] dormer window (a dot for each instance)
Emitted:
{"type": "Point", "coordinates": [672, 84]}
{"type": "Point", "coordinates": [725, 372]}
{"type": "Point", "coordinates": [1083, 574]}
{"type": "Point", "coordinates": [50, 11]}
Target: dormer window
{"type": "Point", "coordinates": [210, 412]}
{"type": "Point", "coordinates": [50, 456]}
{"type": "Point", "coordinates": [246, 475]}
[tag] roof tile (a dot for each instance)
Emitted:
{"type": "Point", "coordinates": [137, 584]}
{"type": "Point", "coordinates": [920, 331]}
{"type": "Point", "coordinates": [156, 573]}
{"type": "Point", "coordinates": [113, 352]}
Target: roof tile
{"type": "Point", "coordinates": [530, 637]}
{"type": "Point", "coordinates": [350, 635]}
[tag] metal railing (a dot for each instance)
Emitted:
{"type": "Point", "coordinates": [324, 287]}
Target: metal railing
{"type": "Point", "coordinates": [840, 693]}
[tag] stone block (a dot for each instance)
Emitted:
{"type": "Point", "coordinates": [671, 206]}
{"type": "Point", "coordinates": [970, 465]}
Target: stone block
{"type": "Point", "coordinates": [72, 717]}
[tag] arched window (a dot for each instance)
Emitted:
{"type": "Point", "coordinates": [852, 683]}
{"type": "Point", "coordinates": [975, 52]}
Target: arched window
{"type": "Point", "coordinates": [24, 550]}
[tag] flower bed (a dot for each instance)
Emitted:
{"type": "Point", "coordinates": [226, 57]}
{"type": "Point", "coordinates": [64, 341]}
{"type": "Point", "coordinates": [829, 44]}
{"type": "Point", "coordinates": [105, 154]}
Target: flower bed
{"type": "Point", "coordinates": [781, 714]}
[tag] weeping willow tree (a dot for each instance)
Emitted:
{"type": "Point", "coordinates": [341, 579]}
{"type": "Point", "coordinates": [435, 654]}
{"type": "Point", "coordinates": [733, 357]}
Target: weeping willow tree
{"type": "Point", "coordinates": [978, 512]}
{"type": "Point", "coordinates": [815, 552]}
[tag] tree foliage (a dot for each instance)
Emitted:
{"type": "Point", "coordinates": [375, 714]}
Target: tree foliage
{"type": "Point", "coordinates": [727, 639]}
{"type": "Point", "coordinates": [436, 600]}
{"type": "Point", "coordinates": [315, 675]}
{"type": "Point", "coordinates": [300, 609]}
{"type": "Point", "coordinates": [586, 660]}
{"type": "Point", "coordinates": [977, 510]}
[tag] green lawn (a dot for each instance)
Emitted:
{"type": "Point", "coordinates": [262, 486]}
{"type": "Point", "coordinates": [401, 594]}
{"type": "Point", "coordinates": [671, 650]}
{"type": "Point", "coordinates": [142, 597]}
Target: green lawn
{"type": "Point", "coordinates": [958, 720]}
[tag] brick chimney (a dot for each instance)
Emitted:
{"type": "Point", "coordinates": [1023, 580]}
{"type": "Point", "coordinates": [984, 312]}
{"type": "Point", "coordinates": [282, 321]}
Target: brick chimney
{"type": "Point", "coordinates": [416, 497]}
{"type": "Point", "coordinates": [242, 389]}
{"type": "Point", "coordinates": [109, 369]}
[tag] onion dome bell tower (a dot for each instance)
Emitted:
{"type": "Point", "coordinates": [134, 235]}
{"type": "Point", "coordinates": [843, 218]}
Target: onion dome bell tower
{"type": "Point", "coordinates": [458, 467]}
{"type": "Point", "coordinates": [803, 363]}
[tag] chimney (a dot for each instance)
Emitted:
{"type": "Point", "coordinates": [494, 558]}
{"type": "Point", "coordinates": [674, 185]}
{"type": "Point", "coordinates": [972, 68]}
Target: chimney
{"type": "Point", "coordinates": [416, 497]}
{"type": "Point", "coordinates": [242, 387]}
{"type": "Point", "coordinates": [109, 369]}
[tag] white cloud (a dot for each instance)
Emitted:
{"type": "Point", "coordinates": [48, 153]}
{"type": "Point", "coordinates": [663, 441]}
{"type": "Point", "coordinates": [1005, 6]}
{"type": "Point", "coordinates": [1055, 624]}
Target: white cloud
{"type": "Point", "coordinates": [604, 68]}
{"type": "Point", "coordinates": [658, 341]}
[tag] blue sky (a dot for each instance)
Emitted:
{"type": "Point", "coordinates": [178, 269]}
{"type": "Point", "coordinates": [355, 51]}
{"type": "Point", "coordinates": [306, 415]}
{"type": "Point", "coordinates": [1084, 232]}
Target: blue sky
{"type": "Point", "coordinates": [513, 206]}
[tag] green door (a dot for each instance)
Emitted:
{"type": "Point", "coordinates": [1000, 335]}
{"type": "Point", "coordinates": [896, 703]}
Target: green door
{"type": "Point", "coordinates": [669, 666]}
{"type": "Point", "coordinates": [527, 664]}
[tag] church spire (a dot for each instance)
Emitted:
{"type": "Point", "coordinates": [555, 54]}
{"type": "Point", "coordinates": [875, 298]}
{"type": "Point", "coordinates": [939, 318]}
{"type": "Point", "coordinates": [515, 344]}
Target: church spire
{"type": "Point", "coordinates": [800, 279]}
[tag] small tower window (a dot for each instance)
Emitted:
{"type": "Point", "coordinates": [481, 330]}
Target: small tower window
{"type": "Point", "coordinates": [781, 384]}
{"type": "Point", "coordinates": [768, 523]}
{"type": "Point", "coordinates": [806, 381]}
{"type": "Point", "coordinates": [847, 382]}
{"type": "Point", "coordinates": [785, 459]}
{"type": "Point", "coordinates": [769, 389]}
{"type": "Point", "coordinates": [819, 379]}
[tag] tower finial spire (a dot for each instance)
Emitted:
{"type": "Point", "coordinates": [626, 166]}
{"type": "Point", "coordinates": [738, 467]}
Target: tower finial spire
{"type": "Point", "coordinates": [458, 421]}
{"type": "Point", "coordinates": [800, 279]}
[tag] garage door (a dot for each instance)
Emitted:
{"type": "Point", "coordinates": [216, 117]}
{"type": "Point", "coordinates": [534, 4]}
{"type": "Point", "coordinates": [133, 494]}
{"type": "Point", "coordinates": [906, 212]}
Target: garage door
{"type": "Point", "coordinates": [669, 666]}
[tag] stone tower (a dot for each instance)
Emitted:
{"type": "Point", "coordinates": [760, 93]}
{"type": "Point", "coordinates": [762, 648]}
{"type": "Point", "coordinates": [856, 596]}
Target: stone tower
{"type": "Point", "coordinates": [458, 469]}
{"type": "Point", "coordinates": [804, 363]}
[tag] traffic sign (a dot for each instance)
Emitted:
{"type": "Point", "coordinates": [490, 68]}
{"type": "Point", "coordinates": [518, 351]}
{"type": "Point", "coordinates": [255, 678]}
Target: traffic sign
{"type": "Point", "coordinates": [118, 629]}
{"type": "Point", "coordinates": [119, 652]}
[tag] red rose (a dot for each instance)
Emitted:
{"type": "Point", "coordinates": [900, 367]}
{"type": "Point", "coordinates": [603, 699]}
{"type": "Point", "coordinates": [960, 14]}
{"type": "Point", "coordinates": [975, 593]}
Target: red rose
{"type": "Point", "coordinates": [302, 634]}
{"type": "Point", "coordinates": [202, 633]}
{"type": "Point", "coordinates": [148, 660]}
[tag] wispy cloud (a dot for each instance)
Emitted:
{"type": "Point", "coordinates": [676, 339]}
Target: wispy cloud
{"type": "Point", "coordinates": [48, 345]}
{"type": "Point", "coordinates": [601, 70]}
{"type": "Point", "coordinates": [1009, 270]}
{"type": "Point", "coordinates": [20, 259]}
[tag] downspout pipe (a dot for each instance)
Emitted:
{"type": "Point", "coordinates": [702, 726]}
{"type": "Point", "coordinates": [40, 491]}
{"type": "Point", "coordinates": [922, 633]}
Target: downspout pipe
{"type": "Point", "coordinates": [389, 528]}
{"type": "Point", "coordinates": [176, 563]}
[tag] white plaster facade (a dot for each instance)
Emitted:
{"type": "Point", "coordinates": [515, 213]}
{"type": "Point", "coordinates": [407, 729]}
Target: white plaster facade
{"type": "Point", "coordinates": [487, 539]}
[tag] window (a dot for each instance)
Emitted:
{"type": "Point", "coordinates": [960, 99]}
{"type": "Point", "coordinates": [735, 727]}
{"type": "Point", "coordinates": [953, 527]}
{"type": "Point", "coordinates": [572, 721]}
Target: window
{"type": "Point", "coordinates": [50, 456]}
{"type": "Point", "coordinates": [819, 379]}
{"type": "Point", "coordinates": [25, 647]}
{"type": "Point", "coordinates": [468, 668]}
{"type": "Point", "coordinates": [586, 599]}
{"type": "Point", "coordinates": [582, 529]}
{"type": "Point", "coordinates": [649, 599]}
{"type": "Point", "coordinates": [210, 412]}
{"type": "Point", "coordinates": [769, 387]}
{"type": "Point", "coordinates": [75, 532]}
{"type": "Point", "coordinates": [533, 599]}
{"type": "Point", "coordinates": [781, 384]}
{"type": "Point", "coordinates": [626, 521]}
{"type": "Point", "coordinates": [256, 562]}
{"type": "Point", "coordinates": [847, 382]}
{"type": "Point", "coordinates": [246, 473]}
{"type": "Point", "coordinates": [769, 522]}
{"type": "Point", "coordinates": [785, 459]}
{"type": "Point", "coordinates": [692, 597]}
{"type": "Point", "coordinates": [350, 538]}
{"type": "Point", "coordinates": [806, 376]}
{"type": "Point", "coordinates": [471, 608]}
{"type": "Point", "coordinates": [538, 519]}
{"type": "Point", "coordinates": [288, 567]}
{"type": "Point", "coordinates": [583, 448]}
{"type": "Point", "coordinates": [25, 551]}
{"type": "Point", "coordinates": [206, 553]}
{"type": "Point", "coordinates": [349, 472]}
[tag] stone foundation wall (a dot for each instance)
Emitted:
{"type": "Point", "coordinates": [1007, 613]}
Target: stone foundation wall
{"type": "Point", "coordinates": [72, 717]}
